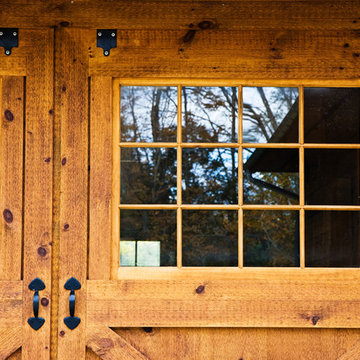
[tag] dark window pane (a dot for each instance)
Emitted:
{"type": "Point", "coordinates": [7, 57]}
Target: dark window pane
{"type": "Point", "coordinates": [271, 238]}
{"type": "Point", "coordinates": [332, 238]}
{"type": "Point", "coordinates": [332, 177]}
{"type": "Point", "coordinates": [271, 176]}
{"type": "Point", "coordinates": [148, 113]}
{"type": "Point", "coordinates": [148, 175]}
{"type": "Point", "coordinates": [270, 115]}
{"type": "Point", "coordinates": [332, 115]}
{"type": "Point", "coordinates": [210, 238]}
{"type": "Point", "coordinates": [210, 114]}
{"type": "Point", "coordinates": [147, 238]}
{"type": "Point", "coordinates": [210, 176]}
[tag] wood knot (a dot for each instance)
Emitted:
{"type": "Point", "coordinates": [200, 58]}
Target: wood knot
{"type": "Point", "coordinates": [189, 36]}
{"type": "Point", "coordinates": [315, 319]}
{"type": "Point", "coordinates": [62, 333]}
{"type": "Point", "coordinates": [105, 344]}
{"type": "Point", "coordinates": [200, 289]}
{"type": "Point", "coordinates": [64, 23]}
{"type": "Point", "coordinates": [148, 329]}
{"type": "Point", "coordinates": [63, 161]}
{"type": "Point", "coordinates": [8, 216]}
{"type": "Point", "coordinates": [206, 24]}
{"type": "Point", "coordinates": [66, 227]}
{"type": "Point", "coordinates": [9, 115]}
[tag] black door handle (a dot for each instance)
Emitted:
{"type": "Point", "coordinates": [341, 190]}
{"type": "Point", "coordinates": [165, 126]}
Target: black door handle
{"type": "Point", "coordinates": [36, 322]}
{"type": "Point", "coordinates": [72, 321]}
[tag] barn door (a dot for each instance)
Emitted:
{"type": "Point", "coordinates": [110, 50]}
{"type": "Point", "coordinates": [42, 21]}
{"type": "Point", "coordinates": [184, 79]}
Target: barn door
{"type": "Point", "coordinates": [125, 294]}
{"type": "Point", "coordinates": [26, 163]}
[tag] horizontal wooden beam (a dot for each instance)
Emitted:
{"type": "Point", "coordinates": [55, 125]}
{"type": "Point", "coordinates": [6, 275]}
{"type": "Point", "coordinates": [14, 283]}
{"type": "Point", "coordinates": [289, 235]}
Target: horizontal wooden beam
{"type": "Point", "coordinates": [225, 15]}
{"type": "Point", "coordinates": [216, 54]}
{"type": "Point", "coordinates": [326, 298]}
{"type": "Point", "coordinates": [10, 304]}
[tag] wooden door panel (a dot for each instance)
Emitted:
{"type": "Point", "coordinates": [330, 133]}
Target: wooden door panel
{"type": "Point", "coordinates": [26, 167]}
{"type": "Point", "coordinates": [236, 344]}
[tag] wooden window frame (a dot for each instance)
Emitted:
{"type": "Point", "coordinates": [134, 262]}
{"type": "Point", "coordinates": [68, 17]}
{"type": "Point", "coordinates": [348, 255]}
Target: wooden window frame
{"type": "Point", "coordinates": [118, 272]}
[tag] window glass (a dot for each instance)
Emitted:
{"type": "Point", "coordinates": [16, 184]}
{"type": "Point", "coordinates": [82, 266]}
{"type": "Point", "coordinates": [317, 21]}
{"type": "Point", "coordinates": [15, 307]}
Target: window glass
{"type": "Point", "coordinates": [148, 176]}
{"type": "Point", "coordinates": [271, 176]}
{"type": "Point", "coordinates": [332, 115]}
{"type": "Point", "coordinates": [271, 238]}
{"type": "Point", "coordinates": [210, 238]}
{"type": "Point", "coordinates": [210, 176]}
{"type": "Point", "coordinates": [147, 238]}
{"type": "Point", "coordinates": [210, 114]}
{"type": "Point", "coordinates": [148, 113]}
{"type": "Point", "coordinates": [270, 115]}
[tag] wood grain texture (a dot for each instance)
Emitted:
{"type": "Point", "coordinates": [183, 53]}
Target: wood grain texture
{"type": "Point", "coordinates": [352, 353]}
{"type": "Point", "coordinates": [101, 137]}
{"type": "Point", "coordinates": [110, 346]}
{"type": "Point", "coordinates": [72, 88]}
{"type": "Point", "coordinates": [225, 15]}
{"type": "Point", "coordinates": [246, 344]}
{"type": "Point", "coordinates": [10, 341]}
{"type": "Point", "coordinates": [246, 298]}
{"type": "Point", "coordinates": [11, 176]}
{"type": "Point", "coordinates": [12, 66]}
{"type": "Point", "coordinates": [10, 304]}
{"type": "Point", "coordinates": [244, 55]}
{"type": "Point", "coordinates": [38, 187]}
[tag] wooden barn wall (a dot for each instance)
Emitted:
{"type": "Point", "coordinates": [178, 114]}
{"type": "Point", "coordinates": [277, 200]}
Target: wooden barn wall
{"type": "Point", "coordinates": [252, 40]}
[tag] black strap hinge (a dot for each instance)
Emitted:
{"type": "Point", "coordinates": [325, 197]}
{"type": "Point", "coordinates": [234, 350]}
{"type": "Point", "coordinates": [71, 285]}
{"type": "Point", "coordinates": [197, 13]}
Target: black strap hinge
{"type": "Point", "coordinates": [9, 38]}
{"type": "Point", "coordinates": [107, 40]}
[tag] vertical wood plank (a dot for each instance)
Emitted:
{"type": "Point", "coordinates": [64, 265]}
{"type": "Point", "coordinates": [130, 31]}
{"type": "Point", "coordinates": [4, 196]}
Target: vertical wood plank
{"type": "Point", "coordinates": [38, 189]}
{"type": "Point", "coordinates": [11, 176]}
{"type": "Point", "coordinates": [100, 178]}
{"type": "Point", "coordinates": [115, 213]}
{"type": "Point", "coordinates": [71, 91]}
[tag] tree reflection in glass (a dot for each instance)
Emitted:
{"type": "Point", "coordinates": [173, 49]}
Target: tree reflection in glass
{"type": "Point", "coordinates": [210, 176]}
{"type": "Point", "coordinates": [209, 238]}
{"type": "Point", "coordinates": [270, 115]}
{"type": "Point", "coordinates": [148, 175]}
{"type": "Point", "coordinates": [210, 114]}
{"type": "Point", "coordinates": [271, 238]}
{"type": "Point", "coordinates": [148, 113]}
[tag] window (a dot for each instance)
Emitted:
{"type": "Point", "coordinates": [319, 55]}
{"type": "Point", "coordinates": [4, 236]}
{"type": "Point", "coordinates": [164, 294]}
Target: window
{"type": "Point", "coordinates": [238, 176]}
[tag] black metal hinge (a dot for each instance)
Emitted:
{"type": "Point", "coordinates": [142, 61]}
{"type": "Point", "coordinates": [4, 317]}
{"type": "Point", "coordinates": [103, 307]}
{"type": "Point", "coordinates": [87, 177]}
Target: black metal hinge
{"type": "Point", "coordinates": [9, 38]}
{"type": "Point", "coordinates": [107, 40]}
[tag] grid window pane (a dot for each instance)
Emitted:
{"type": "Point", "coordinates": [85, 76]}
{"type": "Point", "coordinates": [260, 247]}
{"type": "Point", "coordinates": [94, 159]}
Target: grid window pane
{"type": "Point", "coordinates": [148, 176]}
{"type": "Point", "coordinates": [271, 238]}
{"type": "Point", "coordinates": [270, 115]}
{"type": "Point", "coordinates": [148, 113]}
{"type": "Point", "coordinates": [332, 177]}
{"type": "Point", "coordinates": [332, 238]}
{"type": "Point", "coordinates": [210, 176]}
{"type": "Point", "coordinates": [332, 115]}
{"type": "Point", "coordinates": [271, 176]}
{"type": "Point", "coordinates": [210, 114]}
{"type": "Point", "coordinates": [147, 238]}
{"type": "Point", "coordinates": [209, 238]}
